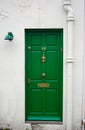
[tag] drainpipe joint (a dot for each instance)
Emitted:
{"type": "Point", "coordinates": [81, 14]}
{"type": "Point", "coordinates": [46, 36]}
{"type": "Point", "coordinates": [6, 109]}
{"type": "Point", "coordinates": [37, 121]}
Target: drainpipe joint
{"type": "Point", "coordinates": [69, 10]}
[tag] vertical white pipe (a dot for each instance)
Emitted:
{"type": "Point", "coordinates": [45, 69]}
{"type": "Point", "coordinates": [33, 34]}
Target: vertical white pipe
{"type": "Point", "coordinates": [70, 39]}
{"type": "Point", "coordinates": [69, 97]}
{"type": "Point", "coordinates": [69, 60]}
{"type": "Point", "coordinates": [69, 74]}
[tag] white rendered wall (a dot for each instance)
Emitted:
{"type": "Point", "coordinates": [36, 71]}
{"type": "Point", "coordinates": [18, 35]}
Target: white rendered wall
{"type": "Point", "coordinates": [15, 16]}
{"type": "Point", "coordinates": [78, 71]}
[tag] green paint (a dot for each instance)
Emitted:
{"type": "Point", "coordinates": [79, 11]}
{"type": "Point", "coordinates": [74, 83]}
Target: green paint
{"type": "Point", "coordinates": [43, 103]}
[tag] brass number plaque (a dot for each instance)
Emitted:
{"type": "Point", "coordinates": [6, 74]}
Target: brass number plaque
{"type": "Point", "coordinates": [44, 85]}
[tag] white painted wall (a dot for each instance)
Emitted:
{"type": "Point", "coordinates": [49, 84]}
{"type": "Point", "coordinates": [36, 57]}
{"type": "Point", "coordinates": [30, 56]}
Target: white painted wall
{"type": "Point", "coordinates": [15, 16]}
{"type": "Point", "coordinates": [78, 7]}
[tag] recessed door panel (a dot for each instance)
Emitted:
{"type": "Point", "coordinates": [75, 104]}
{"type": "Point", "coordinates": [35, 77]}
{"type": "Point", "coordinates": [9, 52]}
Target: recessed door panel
{"type": "Point", "coordinates": [36, 100]}
{"type": "Point", "coordinates": [51, 39]}
{"type": "Point", "coordinates": [51, 65]}
{"type": "Point", "coordinates": [35, 39]}
{"type": "Point", "coordinates": [51, 105]}
{"type": "Point", "coordinates": [35, 65]}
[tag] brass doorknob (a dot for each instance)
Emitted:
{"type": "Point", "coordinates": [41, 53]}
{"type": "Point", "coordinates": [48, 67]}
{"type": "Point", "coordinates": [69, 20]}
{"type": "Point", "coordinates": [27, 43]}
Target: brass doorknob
{"type": "Point", "coordinates": [43, 74]}
{"type": "Point", "coordinates": [29, 48]}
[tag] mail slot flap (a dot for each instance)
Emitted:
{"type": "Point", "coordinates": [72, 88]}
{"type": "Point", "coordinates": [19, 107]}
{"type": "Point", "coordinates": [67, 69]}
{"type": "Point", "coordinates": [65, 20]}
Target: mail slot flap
{"type": "Point", "coordinates": [46, 85]}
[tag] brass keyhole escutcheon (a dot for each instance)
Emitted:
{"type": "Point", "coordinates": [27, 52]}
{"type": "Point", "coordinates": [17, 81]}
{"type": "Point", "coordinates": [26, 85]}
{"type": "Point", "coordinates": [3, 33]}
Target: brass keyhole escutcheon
{"type": "Point", "coordinates": [43, 74]}
{"type": "Point", "coordinates": [43, 58]}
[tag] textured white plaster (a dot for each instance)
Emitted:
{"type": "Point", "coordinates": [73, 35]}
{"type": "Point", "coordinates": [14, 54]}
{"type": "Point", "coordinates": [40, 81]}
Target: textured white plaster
{"type": "Point", "coordinates": [3, 14]}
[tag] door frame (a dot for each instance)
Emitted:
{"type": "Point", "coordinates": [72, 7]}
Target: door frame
{"type": "Point", "coordinates": [57, 29]}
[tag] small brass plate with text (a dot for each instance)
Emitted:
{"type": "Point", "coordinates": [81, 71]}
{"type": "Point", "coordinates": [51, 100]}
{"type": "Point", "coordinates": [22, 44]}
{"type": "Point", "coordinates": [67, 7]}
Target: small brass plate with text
{"type": "Point", "coordinates": [44, 85]}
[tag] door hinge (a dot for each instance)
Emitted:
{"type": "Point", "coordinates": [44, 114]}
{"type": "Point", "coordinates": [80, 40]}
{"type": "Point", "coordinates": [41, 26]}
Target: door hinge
{"type": "Point", "coordinates": [28, 80]}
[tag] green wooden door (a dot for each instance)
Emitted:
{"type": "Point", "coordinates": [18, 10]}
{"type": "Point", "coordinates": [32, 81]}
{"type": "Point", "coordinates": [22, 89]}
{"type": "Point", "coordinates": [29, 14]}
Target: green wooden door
{"type": "Point", "coordinates": [43, 74]}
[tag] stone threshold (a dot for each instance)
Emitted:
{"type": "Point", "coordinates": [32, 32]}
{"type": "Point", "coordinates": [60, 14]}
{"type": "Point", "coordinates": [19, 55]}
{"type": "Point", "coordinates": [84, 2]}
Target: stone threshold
{"type": "Point", "coordinates": [44, 122]}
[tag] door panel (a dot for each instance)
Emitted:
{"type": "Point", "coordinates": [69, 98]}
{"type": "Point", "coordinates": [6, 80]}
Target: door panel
{"type": "Point", "coordinates": [35, 65]}
{"type": "Point", "coordinates": [51, 107]}
{"type": "Point", "coordinates": [36, 100]}
{"type": "Point", "coordinates": [51, 39]}
{"type": "Point", "coordinates": [51, 63]}
{"type": "Point", "coordinates": [43, 74]}
{"type": "Point", "coordinates": [35, 39]}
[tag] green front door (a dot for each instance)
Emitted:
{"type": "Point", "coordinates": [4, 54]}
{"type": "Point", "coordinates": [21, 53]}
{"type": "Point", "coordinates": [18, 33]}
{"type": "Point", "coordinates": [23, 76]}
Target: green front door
{"type": "Point", "coordinates": [43, 74]}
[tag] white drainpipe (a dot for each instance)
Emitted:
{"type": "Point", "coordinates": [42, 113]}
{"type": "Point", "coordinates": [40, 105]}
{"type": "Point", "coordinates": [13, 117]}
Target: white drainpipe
{"type": "Point", "coordinates": [69, 61]}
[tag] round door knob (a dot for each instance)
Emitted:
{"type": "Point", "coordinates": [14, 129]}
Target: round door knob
{"type": "Point", "coordinates": [43, 74]}
{"type": "Point", "coordinates": [29, 48]}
